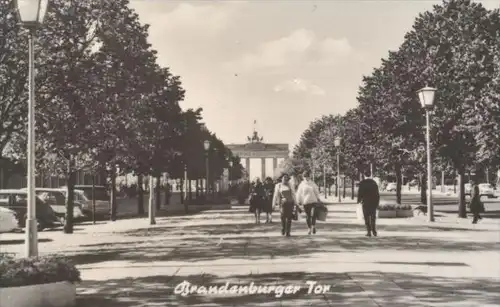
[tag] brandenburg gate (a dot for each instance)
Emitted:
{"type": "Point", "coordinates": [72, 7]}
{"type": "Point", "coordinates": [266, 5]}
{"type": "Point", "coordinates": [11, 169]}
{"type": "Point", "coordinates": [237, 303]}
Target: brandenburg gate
{"type": "Point", "coordinates": [256, 149]}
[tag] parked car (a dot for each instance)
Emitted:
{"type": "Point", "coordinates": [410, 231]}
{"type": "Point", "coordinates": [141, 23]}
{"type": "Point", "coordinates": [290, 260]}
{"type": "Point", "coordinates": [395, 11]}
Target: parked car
{"type": "Point", "coordinates": [56, 198]}
{"type": "Point", "coordinates": [467, 188]}
{"type": "Point", "coordinates": [17, 201]}
{"type": "Point", "coordinates": [8, 220]}
{"type": "Point", "coordinates": [391, 187]}
{"type": "Point", "coordinates": [83, 195]}
{"type": "Point", "coordinates": [486, 189]}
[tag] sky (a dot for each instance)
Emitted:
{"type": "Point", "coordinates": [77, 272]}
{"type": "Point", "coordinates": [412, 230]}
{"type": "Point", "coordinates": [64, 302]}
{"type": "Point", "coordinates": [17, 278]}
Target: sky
{"type": "Point", "coordinates": [281, 63]}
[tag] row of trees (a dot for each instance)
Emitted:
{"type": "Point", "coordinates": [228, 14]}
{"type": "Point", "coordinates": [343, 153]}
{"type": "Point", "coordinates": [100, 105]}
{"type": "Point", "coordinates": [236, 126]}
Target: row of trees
{"type": "Point", "coordinates": [103, 102]}
{"type": "Point", "coordinates": [455, 48]}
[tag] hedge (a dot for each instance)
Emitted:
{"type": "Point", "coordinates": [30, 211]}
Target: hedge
{"type": "Point", "coordinates": [35, 271]}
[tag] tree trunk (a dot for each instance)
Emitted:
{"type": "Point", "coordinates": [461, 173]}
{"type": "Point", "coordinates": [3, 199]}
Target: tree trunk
{"type": "Point", "coordinates": [151, 207]}
{"type": "Point", "coordinates": [397, 169]}
{"type": "Point", "coordinates": [158, 192]}
{"type": "Point", "coordinates": [423, 189]}
{"type": "Point", "coordinates": [462, 209]}
{"type": "Point", "coordinates": [352, 187]}
{"type": "Point", "coordinates": [343, 187]}
{"type": "Point", "coordinates": [140, 195]}
{"type": "Point", "coordinates": [102, 176]}
{"type": "Point", "coordinates": [167, 192]}
{"type": "Point", "coordinates": [1, 176]}
{"type": "Point", "coordinates": [93, 197]}
{"type": "Point", "coordinates": [202, 190]}
{"type": "Point", "coordinates": [113, 193]}
{"type": "Point", "coordinates": [197, 185]}
{"type": "Point", "coordinates": [336, 187]}
{"type": "Point", "coordinates": [189, 189]}
{"type": "Point", "coordinates": [167, 195]}
{"type": "Point", "coordinates": [183, 191]}
{"type": "Point", "coordinates": [455, 182]}
{"type": "Point", "coordinates": [187, 181]}
{"type": "Point", "coordinates": [70, 177]}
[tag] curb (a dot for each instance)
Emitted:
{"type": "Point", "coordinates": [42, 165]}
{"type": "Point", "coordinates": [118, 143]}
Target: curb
{"type": "Point", "coordinates": [192, 209]}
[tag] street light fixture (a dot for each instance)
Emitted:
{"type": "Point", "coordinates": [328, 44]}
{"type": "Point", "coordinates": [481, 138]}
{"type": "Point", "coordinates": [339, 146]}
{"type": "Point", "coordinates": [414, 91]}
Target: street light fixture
{"type": "Point", "coordinates": [206, 145]}
{"type": "Point", "coordinates": [337, 146]}
{"type": "Point", "coordinates": [426, 97]}
{"type": "Point", "coordinates": [30, 15]}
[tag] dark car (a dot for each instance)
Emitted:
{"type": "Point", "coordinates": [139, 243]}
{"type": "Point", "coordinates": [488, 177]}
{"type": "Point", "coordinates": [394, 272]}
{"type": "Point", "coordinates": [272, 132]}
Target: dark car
{"type": "Point", "coordinates": [17, 201]}
{"type": "Point", "coordinates": [83, 195]}
{"type": "Point", "coordinates": [56, 198]}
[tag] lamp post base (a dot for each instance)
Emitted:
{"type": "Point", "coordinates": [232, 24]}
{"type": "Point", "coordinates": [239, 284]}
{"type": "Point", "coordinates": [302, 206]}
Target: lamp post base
{"type": "Point", "coordinates": [31, 232]}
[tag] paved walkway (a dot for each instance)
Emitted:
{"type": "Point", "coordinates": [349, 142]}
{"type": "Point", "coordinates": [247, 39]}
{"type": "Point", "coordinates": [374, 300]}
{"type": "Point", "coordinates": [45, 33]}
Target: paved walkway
{"type": "Point", "coordinates": [412, 263]}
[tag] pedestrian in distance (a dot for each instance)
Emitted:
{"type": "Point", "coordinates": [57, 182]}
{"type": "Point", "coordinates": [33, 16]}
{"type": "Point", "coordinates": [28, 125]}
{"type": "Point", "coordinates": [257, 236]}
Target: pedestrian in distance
{"type": "Point", "coordinates": [284, 198]}
{"type": "Point", "coordinates": [257, 199]}
{"type": "Point", "coordinates": [268, 202]}
{"type": "Point", "coordinates": [369, 197]}
{"type": "Point", "coordinates": [308, 197]}
{"type": "Point", "coordinates": [476, 206]}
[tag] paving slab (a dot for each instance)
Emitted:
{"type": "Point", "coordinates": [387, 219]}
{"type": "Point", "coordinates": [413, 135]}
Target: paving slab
{"type": "Point", "coordinates": [411, 263]}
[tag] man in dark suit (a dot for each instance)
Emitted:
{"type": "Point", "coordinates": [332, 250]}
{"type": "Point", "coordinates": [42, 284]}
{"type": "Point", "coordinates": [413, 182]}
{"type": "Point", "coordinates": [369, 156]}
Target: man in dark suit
{"type": "Point", "coordinates": [369, 197]}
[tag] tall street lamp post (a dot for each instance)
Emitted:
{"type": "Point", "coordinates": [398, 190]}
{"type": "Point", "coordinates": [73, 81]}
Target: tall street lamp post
{"type": "Point", "coordinates": [30, 15]}
{"type": "Point", "coordinates": [426, 97]}
{"type": "Point", "coordinates": [206, 145]}
{"type": "Point", "coordinates": [337, 146]}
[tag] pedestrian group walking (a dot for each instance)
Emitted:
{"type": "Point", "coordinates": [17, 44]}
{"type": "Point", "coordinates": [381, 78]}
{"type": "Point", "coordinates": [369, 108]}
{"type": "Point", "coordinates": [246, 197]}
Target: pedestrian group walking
{"type": "Point", "coordinates": [292, 198]}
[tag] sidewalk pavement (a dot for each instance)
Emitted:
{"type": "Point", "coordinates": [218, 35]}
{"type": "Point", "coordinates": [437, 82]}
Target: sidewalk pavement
{"type": "Point", "coordinates": [127, 207]}
{"type": "Point", "coordinates": [411, 263]}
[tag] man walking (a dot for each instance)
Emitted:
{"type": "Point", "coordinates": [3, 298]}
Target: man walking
{"type": "Point", "coordinates": [308, 196]}
{"type": "Point", "coordinates": [369, 197]}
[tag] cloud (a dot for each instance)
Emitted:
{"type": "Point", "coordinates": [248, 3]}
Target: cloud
{"type": "Point", "coordinates": [209, 18]}
{"type": "Point", "coordinates": [187, 19]}
{"type": "Point", "coordinates": [299, 47]}
{"type": "Point", "coordinates": [279, 52]}
{"type": "Point", "coordinates": [299, 86]}
{"type": "Point", "coordinates": [331, 51]}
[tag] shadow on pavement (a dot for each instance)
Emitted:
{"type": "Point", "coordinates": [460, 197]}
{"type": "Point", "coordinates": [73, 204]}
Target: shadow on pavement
{"type": "Point", "coordinates": [213, 242]}
{"type": "Point", "coordinates": [423, 263]}
{"type": "Point", "coordinates": [22, 241]}
{"type": "Point", "coordinates": [491, 214]}
{"type": "Point", "coordinates": [344, 291]}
